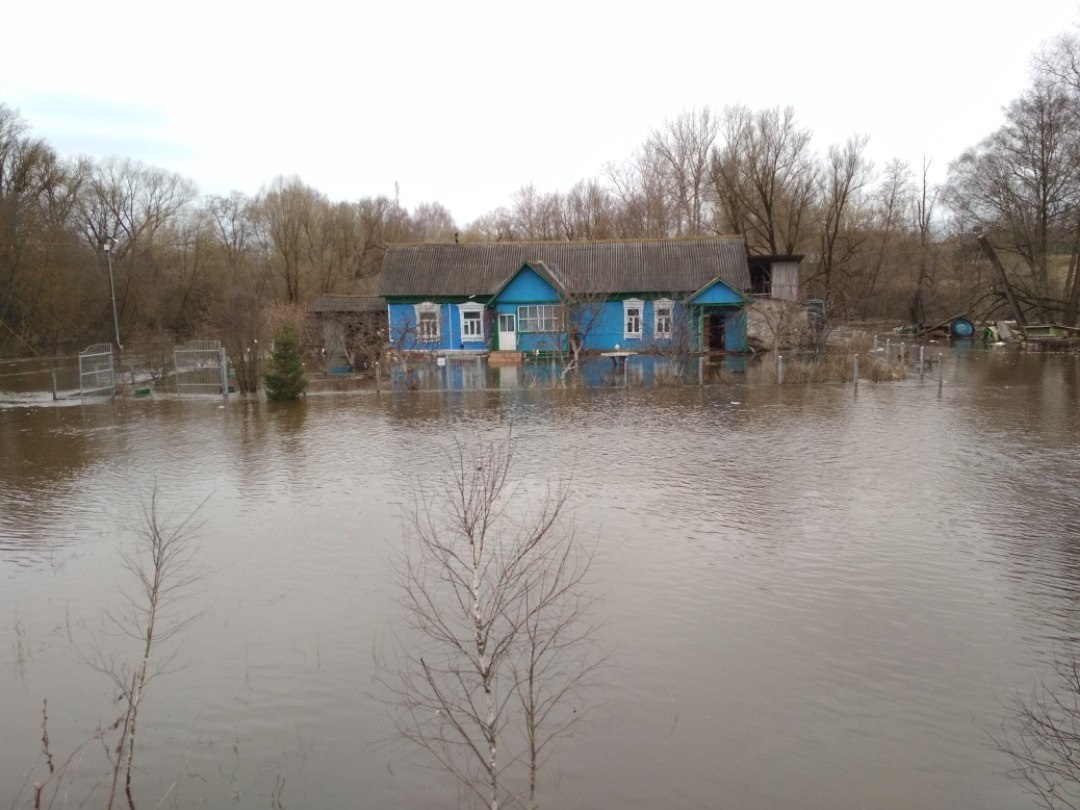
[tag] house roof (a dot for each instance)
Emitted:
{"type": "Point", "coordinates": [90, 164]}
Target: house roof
{"type": "Point", "coordinates": [347, 303]}
{"type": "Point", "coordinates": [659, 265]}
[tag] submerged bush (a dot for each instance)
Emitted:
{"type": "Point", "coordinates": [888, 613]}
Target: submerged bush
{"type": "Point", "coordinates": [841, 368]}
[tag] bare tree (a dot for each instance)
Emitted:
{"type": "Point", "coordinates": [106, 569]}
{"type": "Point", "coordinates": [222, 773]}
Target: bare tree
{"type": "Point", "coordinates": [640, 186]}
{"type": "Point", "coordinates": [924, 218]}
{"type": "Point", "coordinates": [499, 655]}
{"type": "Point", "coordinates": [287, 213]}
{"type": "Point", "coordinates": [684, 145]}
{"type": "Point", "coordinates": [885, 222]}
{"type": "Point", "coordinates": [536, 215]}
{"type": "Point", "coordinates": [581, 314]}
{"type": "Point", "coordinates": [1043, 736]}
{"type": "Point", "coordinates": [587, 212]}
{"type": "Point", "coordinates": [433, 222]}
{"type": "Point", "coordinates": [846, 172]}
{"type": "Point", "coordinates": [764, 177]}
{"type": "Point", "coordinates": [161, 566]}
{"type": "Point", "coordinates": [1022, 187]}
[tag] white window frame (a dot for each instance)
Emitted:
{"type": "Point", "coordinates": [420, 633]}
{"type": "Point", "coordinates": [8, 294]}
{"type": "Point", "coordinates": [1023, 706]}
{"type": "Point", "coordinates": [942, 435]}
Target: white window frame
{"type": "Point", "coordinates": [478, 311]}
{"type": "Point", "coordinates": [669, 305]}
{"type": "Point", "coordinates": [428, 308]}
{"type": "Point", "coordinates": [547, 317]}
{"type": "Point", "coordinates": [629, 304]}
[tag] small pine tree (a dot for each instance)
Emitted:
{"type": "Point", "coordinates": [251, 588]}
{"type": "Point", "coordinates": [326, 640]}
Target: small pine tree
{"type": "Point", "coordinates": [285, 378]}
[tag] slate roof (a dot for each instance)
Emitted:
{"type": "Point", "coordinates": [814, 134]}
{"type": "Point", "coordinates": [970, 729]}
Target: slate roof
{"type": "Point", "coordinates": [659, 265]}
{"type": "Point", "coordinates": [347, 303]}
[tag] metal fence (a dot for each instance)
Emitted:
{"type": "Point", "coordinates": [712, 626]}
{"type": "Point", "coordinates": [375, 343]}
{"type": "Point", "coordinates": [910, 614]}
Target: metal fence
{"type": "Point", "coordinates": [97, 375]}
{"type": "Point", "coordinates": [201, 367]}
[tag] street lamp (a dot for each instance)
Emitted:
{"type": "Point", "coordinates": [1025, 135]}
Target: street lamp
{"type": "Point", "coordinates": [112, 290]}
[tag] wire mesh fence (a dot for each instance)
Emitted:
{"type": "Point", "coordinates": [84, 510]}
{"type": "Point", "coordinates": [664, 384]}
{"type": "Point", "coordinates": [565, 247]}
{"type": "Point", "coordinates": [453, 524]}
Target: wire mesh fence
{"type": "Point", "coordinates": [201, 367]}
{"type": "Point", "coordinates": [97, 374]}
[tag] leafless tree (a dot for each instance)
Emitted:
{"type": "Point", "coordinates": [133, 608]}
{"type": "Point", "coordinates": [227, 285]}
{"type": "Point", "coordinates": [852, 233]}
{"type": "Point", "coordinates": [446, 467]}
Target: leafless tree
{"type": "Point", "coordinates": [588, 212]}
{"type": "Point", "coordinates": [432, 222]}
{"type": "Point", "coordinates": [161, 564]}
{"type": "Point", "coordinates": [641, 188]}
{"type": "Point", "coordinates": [1021, 186]}
{"type": "Point", "coordinates": [162, 570]}
{"type": "Point", "coordinates": [684, 145]}
{"type": "Point", "coordinates": [581, 314]}
{"type": "Point", "coordinates": [500, 650]}
{"type": "Point", "coordinates": [885, 220]}
{"type": "Point", "coordinates": [846, 172]}
{"type": "Point", "coordinates": [1043, 736]}
{"type": "Point", "coordinates": [924, 204]}
{"type": "Point", "coordinates": [764, 177]}
{"type": "Point", "coordinates": [535, 215]}
{"type": "Point", "coordinates": [287, 213]}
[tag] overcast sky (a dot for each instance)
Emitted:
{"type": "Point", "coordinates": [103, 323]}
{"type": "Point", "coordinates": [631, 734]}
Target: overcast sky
{"type": "Point", "coordinates": [465, 102]}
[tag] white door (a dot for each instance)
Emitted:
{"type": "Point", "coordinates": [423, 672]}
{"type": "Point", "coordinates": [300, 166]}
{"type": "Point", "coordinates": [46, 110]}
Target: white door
{"type": "Point", "coordinates": [507, 332]}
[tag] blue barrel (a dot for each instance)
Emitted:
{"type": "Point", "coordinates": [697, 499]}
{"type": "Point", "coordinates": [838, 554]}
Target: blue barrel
{"type": "Point", "coordinates": [961, 328]}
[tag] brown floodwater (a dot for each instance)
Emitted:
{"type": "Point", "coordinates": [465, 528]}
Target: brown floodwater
{"type": "Point", "coordinates": [814, 596]}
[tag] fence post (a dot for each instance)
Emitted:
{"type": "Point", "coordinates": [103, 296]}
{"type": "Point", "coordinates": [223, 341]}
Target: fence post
{"type": "Point", "coordinates": [903, 352]}
{"type": "Point", "coordinates": [779, 369]}
{"type": "Point", "coordinates": [922, 361]}
{"type": "Point", "coordinates": [888, 348]}
{"type": "Point", "coordinates": [855, 369]}
{"type": "Point", "coordinates": [54, 394]}
{"type": "Point", "coordinates": [941, 371]}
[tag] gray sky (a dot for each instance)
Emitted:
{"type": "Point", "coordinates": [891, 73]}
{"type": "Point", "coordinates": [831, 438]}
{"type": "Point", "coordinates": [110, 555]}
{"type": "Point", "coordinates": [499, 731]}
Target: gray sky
{"type": "Point", "coordinates": [465, 102]}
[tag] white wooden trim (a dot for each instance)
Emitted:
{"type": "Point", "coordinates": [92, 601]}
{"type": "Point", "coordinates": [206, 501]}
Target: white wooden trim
{"type": "Point", "coordinates": [627, 305]}
{"type": "Point", "coordinates": [472, 306]}
{"type": "Point", "coordinates": [428, 308]}
{"type": "Point", "coordinates": [669, 305]}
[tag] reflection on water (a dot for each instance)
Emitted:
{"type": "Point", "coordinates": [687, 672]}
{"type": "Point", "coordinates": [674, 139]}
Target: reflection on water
{"type": "Point", "coordinates": [471, 373]}
{"type": "Point", "coordinates": [817, 598]}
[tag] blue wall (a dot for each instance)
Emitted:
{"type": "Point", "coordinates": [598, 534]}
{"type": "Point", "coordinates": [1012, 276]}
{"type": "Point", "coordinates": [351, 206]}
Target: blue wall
{"type": "Point", "coordinates": [604, 334]}
{"type": "Point", "coordinates": [528, 287]}
{"type": "Point", "coordinates": [403, 331]}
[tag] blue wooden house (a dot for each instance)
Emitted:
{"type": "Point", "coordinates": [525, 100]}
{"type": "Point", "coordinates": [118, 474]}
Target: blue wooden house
{"type": "Point", "coordinates": [655, 295]}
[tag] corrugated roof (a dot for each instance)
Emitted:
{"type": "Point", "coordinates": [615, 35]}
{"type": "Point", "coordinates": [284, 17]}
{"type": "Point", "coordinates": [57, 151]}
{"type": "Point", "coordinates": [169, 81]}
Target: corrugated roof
{"type": "Point", "coordinates": [661, 265]}
{"type": "Point", "coordinates": [347, 303]}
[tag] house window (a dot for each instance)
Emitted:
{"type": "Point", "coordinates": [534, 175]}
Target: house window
{"type": "Point", "coordinates": [632, 309]}
{"type": "Point", "coordinates": [471, 325]}
{"type": "Point", "coordinates": [662, 310]}
{"type": "Point", "coordinates": [427, 322]}
{"type": "Point", "coordinates": [472, 322]}
{"type": "Point", "coordinates": [539, 318]}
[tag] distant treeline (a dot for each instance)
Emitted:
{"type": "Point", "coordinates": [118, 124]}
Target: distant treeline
{"type": "Point", "coordinates": [879, 242]}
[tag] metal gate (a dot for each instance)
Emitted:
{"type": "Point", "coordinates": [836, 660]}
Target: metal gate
{"type": "Point", "coordinates": [97, 375]}
{"type": "Point", "coordinates": [201, 368]}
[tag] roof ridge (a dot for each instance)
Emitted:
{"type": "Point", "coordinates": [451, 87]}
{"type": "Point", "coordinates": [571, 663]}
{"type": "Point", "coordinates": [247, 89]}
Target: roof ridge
{"type": "Point", "coordinates": [726, 237]}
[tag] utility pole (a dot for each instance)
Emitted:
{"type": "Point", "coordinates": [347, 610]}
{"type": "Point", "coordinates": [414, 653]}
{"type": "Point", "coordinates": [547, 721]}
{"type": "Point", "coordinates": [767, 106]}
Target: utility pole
{"type": "Point", "coordinates": [112, 290]}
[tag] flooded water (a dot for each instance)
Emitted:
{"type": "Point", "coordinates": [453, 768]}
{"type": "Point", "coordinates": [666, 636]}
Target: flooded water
{"type": "Point", "coordinates": [814, 596]}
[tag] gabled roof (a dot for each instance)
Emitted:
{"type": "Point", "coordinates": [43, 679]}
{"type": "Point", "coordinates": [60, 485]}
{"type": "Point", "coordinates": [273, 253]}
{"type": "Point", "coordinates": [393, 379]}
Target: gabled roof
{"type": "Point", "coordinates": [549, 274]}
{"type": "Point", "coordinates": [658, 265]}
{"type": "Point", "coordinates": [710, 284]}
